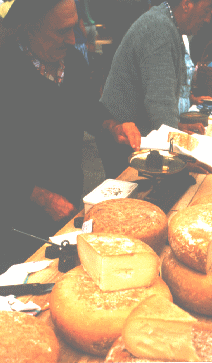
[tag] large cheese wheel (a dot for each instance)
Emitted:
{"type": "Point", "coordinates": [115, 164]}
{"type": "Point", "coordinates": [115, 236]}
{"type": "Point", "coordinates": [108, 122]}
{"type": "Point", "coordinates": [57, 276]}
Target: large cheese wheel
{"type": "Point", "coordinates": [190, 289]}
{"type": "Point", "coordinates": [132, 217]}
{"type": "Point", "coordinates": [190, 236]}
{"type": "Point", "coordinates": [89, 318]}
{"type": "Point", "coordinates": [24, 338]}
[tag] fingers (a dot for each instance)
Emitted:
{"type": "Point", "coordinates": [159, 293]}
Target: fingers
{"type": "Point", "coordinates": [119, 136]}
{"type": "Point", "coordinates": [198, 127]}
{"type": "Point", "coordinates": [192, 128]}
{"type": "Point", "coordinates": [132, 134]}
{"type": "Point", "coordinates": [134, 137]}
{"type": "Point", "coordinates": [201, 99]}
{"type": "Point", "coordinates": [208, 98]}
{"type": "Point", "coordinates": [59, 207]}
{"type": "Point", "coordinates": [199, 167]}
{"type": "Point", "coordinates": [127, 133]}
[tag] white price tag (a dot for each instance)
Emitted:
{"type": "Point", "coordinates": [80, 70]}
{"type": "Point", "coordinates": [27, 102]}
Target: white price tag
{"type": "Point", "coordinates": [87, 226]}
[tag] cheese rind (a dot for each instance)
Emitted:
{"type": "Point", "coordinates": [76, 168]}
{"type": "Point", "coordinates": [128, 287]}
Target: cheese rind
{"type": "Point", "coordinates": [25, 338]}
{"type": "Point", "coordinates": [191, 290]}
{"type": "Point", "coordinates": [159, 329]}
{"type": "Point", "coordinates": [204, 199]}
{"type": "Point", "coordinates": [90, 319]}
{"type": "Point", "coordinates": [156, 339]}
{"type": "Point", "coordinates": [201, 337]}
{"type": "Point", "coordinates": [133, 218]}
{"type": "Point", "coordinates": [190, 236]}
{"type": "Point", "coordinates": [116, 262]}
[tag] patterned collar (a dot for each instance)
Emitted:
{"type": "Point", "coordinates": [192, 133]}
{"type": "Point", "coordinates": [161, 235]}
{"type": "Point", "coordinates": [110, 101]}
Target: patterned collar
{"type": "Point", "coordinates": [42, 68]}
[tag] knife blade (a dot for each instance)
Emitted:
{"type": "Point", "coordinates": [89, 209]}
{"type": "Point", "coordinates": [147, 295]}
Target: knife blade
{"type": "Point", "coordinates": [26, 289]}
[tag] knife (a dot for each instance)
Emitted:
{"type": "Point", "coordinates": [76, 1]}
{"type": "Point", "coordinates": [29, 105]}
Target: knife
{"type": "Point", "coordinates": [26, 289]}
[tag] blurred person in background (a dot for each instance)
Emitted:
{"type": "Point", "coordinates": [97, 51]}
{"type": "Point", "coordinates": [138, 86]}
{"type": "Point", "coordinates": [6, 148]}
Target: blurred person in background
{"type": "Point", "coordinates": [90, 27]}
{"type": "Point", "coordinates": [80, 32]}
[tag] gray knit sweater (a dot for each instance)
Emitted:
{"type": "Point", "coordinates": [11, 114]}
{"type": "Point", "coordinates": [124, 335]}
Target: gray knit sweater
{"type": "Point", "coordinates": [144, 82]}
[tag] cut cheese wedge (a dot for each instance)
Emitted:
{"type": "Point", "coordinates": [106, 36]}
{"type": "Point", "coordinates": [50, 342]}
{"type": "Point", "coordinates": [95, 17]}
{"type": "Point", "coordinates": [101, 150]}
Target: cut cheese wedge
{"type": "Point", "coordinates": [184, 140]}
{"type": "Point", "coordinates": [117, 262]}
{"type": "Point", "coordinates": [158, 329]}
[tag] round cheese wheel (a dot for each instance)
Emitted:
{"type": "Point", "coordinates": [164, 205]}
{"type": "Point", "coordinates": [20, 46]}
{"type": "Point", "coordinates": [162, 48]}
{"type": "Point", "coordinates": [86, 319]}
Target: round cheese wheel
{"type": "Point", "coordinates": [132, 217]}
{"type": "Point", "coordinates": [89, 318]}
{"type": "Point", "coordinates": [205, 199]}
{"type": "Point", "coordinates": [24, 338]}
{"type": "Point", "coordinates": [190, 234]}
{"type": "Point", "coordinates": [190, 289]}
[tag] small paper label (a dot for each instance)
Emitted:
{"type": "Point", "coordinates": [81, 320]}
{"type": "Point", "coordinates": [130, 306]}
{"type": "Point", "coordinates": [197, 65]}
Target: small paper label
{"type": "Point", "coordinates": [87, 226]}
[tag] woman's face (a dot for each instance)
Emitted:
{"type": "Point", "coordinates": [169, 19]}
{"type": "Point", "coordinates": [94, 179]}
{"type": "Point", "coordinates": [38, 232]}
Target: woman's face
{"type": "Point", "coordinates": [49, 41]}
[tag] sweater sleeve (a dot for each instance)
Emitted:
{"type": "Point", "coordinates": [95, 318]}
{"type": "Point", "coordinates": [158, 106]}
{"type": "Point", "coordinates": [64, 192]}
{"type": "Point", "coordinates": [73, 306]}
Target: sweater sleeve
{"type": "Point", "coordinates": [160, 87]}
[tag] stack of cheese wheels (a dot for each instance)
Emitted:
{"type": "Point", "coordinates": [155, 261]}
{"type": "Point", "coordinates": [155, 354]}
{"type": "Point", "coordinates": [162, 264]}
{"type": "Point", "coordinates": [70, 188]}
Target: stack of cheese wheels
{"type": "Point", "coordinates": [24, 338]}
{"type": "Point", "coordinates": [186, 267]}
{"type": "Point", "coordinates": [91, 302]}
{"type": "Point", "coordinates": [158, 331]}
{"type": "Point", "coordinates": [132, 217]}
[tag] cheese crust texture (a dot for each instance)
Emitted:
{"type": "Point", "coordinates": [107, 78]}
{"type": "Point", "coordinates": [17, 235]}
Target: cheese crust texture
{"type": "Point", "coordinates": [24, 338]}
{"type": "Point", "coordinates": [133, 218]}
{"type": "Point", "coordinates": [90, 319]}
{"type": "Point", "coordinates": [205, 199]}
{"type": "Point", "coordinates": [201, 338]}
{"type": "Point", "coordinates": [159, 329]}
{"type": "Point", "coordinates": [117, 262]}
{"type": "Point", "coordinates": [190, 236]}
{"type": "Point", "coordinates": [191, 290]}
{"type": "Point", "coordinates": [119, 353]}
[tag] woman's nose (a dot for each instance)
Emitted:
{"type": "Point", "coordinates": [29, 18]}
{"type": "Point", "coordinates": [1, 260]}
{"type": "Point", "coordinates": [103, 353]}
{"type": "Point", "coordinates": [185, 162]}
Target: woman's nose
{"type": "Point", "coordinates": [69, 37]}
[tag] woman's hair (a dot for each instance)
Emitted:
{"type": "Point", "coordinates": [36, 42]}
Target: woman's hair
{"type": "Point", "coordinates": [27, 12]}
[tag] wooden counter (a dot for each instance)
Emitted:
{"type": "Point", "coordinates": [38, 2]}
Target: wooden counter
{"type": "Point", "coordinates": [51, 274]}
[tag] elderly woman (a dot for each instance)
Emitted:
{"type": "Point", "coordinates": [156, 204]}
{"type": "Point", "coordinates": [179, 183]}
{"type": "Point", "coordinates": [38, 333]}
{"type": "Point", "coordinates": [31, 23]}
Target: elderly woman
{"type": "Point", "coordinates": [43, 80]}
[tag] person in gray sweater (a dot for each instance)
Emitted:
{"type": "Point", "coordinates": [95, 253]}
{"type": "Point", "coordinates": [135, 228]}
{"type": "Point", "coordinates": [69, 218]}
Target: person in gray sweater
{"type": "Point", "coordinates": [142, 89]}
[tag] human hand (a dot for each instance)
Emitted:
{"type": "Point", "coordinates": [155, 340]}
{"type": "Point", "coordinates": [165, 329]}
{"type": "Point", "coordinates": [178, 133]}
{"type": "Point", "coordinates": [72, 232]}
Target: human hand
{"type": "Point", "coordinates": [199, 168]}
{"type": "Point", "coordinates": [57, 206]}
{"type": "Point", "coordinates": [192, 128]}
{"type": "Point", "coordinates": [199, 100]}
{"type": "Point", "coordinates": [127, 133]}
